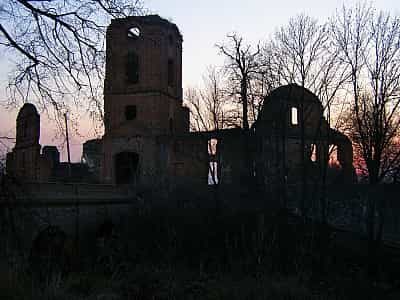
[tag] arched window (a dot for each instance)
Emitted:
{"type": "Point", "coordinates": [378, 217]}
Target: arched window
{"type": "Point", "coordinates": [313, 153]}
{"type": "Point", "coordinates": [212, 146]}
{"type": "Point", "coordinates": [333, 160]}
{"type": "Point", "coordinates": [126, 166]}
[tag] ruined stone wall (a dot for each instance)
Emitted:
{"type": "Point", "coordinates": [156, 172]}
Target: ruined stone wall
{"type": "Point", "coordinates": [347, 206]}
{"type": "Point", "coordinates": [24, 161]}
{"type": "Point", "coordinates": [228, 155]}
{"type": "Point", "coordinates": [77, 209]}
{"type": "Point", "coordinates": [157, 41]}
{"type": "Point", "coordinates": [290, 116]}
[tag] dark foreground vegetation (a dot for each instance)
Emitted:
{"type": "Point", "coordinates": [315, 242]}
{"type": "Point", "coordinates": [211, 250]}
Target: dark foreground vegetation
{"type": "Point", "coordinates": [189, 254]}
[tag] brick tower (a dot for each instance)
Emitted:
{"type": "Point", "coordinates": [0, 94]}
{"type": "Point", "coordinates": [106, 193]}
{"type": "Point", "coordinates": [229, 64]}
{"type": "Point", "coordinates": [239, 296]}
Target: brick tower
{"type": "Point", "coordinates": [142, 95]}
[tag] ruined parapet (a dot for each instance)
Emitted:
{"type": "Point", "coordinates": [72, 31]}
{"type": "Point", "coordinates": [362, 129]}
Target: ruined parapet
{"type": "Point", "coordinates": [91, 156]}
{"type": "Point", "coordinates": [286, 107]}
{"type": "Point", "coordinates": [52, 155]}
{"type": "Point", "coordinates": [23, 163]}
{"type": "Point", "coordinates": [291, 115]}
{"type": "Point", "coordinates": [292, 118]}
{"type": "Point", "coordinates": [142, 51]}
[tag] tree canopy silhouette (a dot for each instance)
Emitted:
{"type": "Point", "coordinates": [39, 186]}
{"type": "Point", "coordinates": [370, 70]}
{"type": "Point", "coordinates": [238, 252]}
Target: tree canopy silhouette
{"type": "Point", "coordinates": [58, 49]}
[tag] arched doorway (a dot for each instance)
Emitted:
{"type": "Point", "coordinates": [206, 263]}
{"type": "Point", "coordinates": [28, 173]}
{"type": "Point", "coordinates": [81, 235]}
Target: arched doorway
{"type": "Point", "coordinates": [126, 164]}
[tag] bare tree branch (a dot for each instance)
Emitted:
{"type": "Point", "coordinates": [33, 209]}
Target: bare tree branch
{"type": "Point", "coordinates": [59, 47]}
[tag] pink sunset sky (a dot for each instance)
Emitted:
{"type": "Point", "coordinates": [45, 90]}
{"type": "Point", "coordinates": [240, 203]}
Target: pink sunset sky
{"type": "Point", "coordinates": [203, 24]}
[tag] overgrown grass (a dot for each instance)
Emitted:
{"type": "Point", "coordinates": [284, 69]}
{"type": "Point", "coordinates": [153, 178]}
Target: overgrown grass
{"type": "Point", "coordinates": [144, 282]}
{"type": "Point", "coordinates": [187, 255]}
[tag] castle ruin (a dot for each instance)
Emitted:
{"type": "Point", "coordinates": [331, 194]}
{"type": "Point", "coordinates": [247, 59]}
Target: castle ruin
{"type": "Point", "coordinates": [147, 142]}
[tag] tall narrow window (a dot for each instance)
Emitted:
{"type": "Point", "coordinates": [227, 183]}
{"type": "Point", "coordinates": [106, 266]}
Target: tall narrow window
{"type": "Point", "coordinates": [333, 156]}
{"type": "Point", "coordinates": [171, 73]}
{"type": "Point", "coordinates": [132, 68]}
{"type": "Point", "coordinates": [294, 116]}
{"type": "Point", "coordinates": [212, 163]}
{"type": "Point", "coordinates": [212, 147]}
{"type": "Point", "coordinates": [313, 155]}
{"type": "Point", "coordinates": [212, 173]}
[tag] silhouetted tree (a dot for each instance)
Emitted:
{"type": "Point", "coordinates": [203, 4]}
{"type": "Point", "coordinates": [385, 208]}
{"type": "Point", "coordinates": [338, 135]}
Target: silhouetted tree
{"type": "Point", "coordinates": [242, 65]}
{"type": "Point", "coordinates": [300, 53]}
{"type": "Point", "coordinates": [210, 111]}
{"type": "Point", "coordinates": [209, 105]}
{"type": "Point", "coordinates": [58, 47]}
{"type": "Point", "coordinates": [369, 45]}
{"type": "Point", "coordinates": [370, 48]}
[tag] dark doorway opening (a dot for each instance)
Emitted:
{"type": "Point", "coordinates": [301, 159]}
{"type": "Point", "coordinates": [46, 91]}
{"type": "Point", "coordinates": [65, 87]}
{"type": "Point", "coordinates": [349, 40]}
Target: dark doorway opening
{"type": "Point", "coordinates": [126, 164]}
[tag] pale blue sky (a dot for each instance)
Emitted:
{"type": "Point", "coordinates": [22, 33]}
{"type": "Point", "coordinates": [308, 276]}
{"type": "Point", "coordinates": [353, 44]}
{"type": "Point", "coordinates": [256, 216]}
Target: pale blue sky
{"type": "Point", "coordinates": [203, 24]}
